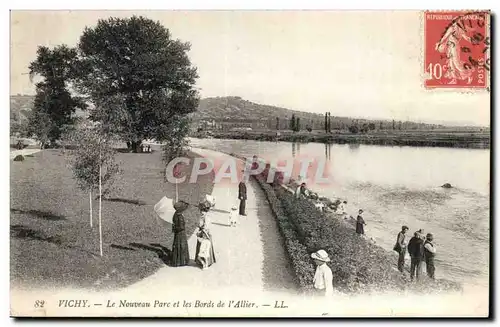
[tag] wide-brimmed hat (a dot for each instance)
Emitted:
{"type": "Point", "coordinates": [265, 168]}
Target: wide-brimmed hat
{"type": "Point", "coordinates": [321, 255]}
{"type": "Point", "coordinates": [429, 235]}
{"type": "Point", "coordinates": [180, 206]}
{"type": "Point", "coordinates": [204, 206]}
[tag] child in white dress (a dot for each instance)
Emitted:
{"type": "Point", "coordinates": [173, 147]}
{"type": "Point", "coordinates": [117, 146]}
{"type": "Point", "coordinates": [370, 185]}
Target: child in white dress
{"type": "Point", "coordinates": [205, 246]}
{"type": "Point", "coordinates": [233, 216]}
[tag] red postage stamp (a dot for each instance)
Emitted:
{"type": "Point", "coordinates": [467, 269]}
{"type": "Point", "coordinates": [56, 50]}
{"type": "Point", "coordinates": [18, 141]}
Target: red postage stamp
{"type": "Point", "coordinates": [456, 49]}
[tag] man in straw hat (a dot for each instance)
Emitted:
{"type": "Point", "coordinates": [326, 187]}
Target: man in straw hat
{"type": "Point", "coordinates": [323, 278]}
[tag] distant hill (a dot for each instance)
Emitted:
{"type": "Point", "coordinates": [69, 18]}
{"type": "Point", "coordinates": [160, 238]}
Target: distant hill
{"type": "Point", "coordinates": [20, 106]}
{"type": "Point", "coordinates": [236, 108]}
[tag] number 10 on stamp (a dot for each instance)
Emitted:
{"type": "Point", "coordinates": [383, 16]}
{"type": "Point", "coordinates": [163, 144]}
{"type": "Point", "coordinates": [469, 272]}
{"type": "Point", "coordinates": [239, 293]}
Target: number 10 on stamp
{"type": "Point", "coordinates": [456, 49]}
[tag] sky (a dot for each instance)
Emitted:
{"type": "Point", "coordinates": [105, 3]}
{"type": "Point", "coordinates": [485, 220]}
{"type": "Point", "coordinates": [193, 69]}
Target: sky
{"type": "Point", "coordinates": [359, 64]}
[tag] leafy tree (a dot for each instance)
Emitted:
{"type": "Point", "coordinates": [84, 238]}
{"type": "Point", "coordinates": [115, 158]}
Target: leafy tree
{"type": "Point", "coordinates": [136, 62]}
{"type": "Point", "coordinates": [326, 122]}
{"type": "Point", "coordinates": [371, 126]}
{"type": "Point", "coordinates": [292, 123]}
{"type": "Point", "coordinates": [393, 124]}
{"type": "Point", "coordinates": [381, 126]}
{"type": "Point", "coordinates": [329, 122]}
{"type": "Point", "coordinates": [353, 129]}
{"type": "Point", "coordinates": [399, 127]}
{"type": "Point", "coordinates": [54, 104]}
{"type": "Point", "coordinates": [277, 123]}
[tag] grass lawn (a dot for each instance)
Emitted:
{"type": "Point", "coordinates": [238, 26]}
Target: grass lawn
{"type": "Point", "coordinates": [51, 242]}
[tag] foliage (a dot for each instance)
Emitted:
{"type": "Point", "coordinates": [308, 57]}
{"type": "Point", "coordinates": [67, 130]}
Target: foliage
{"type": "Point", "coordinates": [357, 265]}
{"type": "Point", "coordinates": [176, 144]}
{"type": "Point", "coordinates": [135, 64]}
{"type": "Point", "coordinates": [353, 129]}
{"type": "Point", "coordinates": [53, 105]}
{"type": "Point", "coordinates": [19, 157]}
{"type": "Point", "coordinates": [297, 253]}
{"type": "Point", "coordinates": [92, 150]}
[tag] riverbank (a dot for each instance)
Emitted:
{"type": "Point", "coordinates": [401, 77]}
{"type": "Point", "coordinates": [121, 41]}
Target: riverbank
{"type": "Point", "coordinates": [358, 264]}
{"type": "Point", "coordinates": [473, 140]}
{"type": "Point", "coordinates": [52, 243]}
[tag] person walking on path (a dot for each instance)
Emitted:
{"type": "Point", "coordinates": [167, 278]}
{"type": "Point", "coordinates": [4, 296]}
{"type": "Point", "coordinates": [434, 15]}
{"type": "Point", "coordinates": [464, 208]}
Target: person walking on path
{"type": "Point", "coordinates": [233, 216]}
{"type": "Point", "coordinates": [242, 196]}
{"type": "Point", "coordinates": [416, 251]}
{"type": "Point", "coordinates": [400, 247]}
{"type": "Point", "coordinates": [180, 249]}
{"type": "Point", "coordinates": [205, 254]}
{"type": "Point", "coordinates": [360, 223]}
{"type": "Point", "coordinates": [323, 278]}
{"type": "Point", "coordinates": [430, 252]}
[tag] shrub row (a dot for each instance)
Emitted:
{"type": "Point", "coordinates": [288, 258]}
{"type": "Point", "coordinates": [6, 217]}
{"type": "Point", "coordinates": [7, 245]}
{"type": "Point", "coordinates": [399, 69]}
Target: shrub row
{"type": "Point", "coordinates": [357, 265]}
{"type": "Point", "coordinates": [297, 252]}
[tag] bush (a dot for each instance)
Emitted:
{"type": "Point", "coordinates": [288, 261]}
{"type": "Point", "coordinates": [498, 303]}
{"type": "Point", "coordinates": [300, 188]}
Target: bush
{"type": "Point", "coordinates": [357, 265]}
{"type": "Point", "coordinates": [297, 252]}
{"type": "Point", "coordinates": [19, 157]}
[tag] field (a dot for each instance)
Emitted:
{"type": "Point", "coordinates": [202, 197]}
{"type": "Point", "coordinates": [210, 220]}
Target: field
{"type": "Point", "coordinates": [52, 242]}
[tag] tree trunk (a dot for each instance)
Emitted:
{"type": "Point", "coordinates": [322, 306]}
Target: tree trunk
{"type": "Point", "coordinates": [136, 146]}
{"type": "Point", "coordinates": [100, 206]}
{"type": "Point", "coordinates": [90, 200]}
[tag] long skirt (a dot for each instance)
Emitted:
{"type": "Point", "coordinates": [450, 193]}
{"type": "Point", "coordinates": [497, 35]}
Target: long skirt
{"type": "Point", "coordinates": [180, 250]}
{"type": "Point", "coordinates": [211, 258]}
{"type": "Point", "coordinates": [360, 228]}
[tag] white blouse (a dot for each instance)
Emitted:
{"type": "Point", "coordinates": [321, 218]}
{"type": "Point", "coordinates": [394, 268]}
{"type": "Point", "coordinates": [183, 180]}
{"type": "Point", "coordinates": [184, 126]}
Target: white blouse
{"type": "Point", "coordinates": [323, 279]}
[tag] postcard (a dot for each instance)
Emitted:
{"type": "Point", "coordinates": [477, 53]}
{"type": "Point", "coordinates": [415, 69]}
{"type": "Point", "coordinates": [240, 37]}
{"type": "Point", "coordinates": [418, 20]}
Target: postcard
{"type": "Point", "coordinates": [250, 163]}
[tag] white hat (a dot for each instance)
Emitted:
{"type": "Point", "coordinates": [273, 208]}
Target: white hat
{"type": "Point", "coordinates": [321, 255]}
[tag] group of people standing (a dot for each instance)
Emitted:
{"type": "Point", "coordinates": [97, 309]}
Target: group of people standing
{"type": "Point", "coordinates": [205, 254]}
{"type": "Point", "coordinates": [420, 248]}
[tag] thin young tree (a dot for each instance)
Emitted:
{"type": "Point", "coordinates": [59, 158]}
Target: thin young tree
{"type": "Point", "coordinates": [93, 165]}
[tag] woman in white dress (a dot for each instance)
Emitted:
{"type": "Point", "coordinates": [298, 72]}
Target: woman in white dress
{"type": "Point", "coordinates": [205, 254]}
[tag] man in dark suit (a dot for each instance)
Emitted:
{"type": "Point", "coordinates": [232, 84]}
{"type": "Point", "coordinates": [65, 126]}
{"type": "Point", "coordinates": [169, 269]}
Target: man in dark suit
{"type": "Point", "coordinates": [242, 196]}
{"type": "Point", "coordinates": [416, 250]}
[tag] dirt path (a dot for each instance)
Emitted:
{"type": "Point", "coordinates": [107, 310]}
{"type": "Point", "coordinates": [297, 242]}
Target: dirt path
{"type": "Point", "coordinates": [249, 257]}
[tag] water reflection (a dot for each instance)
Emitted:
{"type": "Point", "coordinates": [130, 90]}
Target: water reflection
{"type": "Point", "coordinates": [354, 146]}
{"type": "Point", "coordinates": [295, 149]}
{"type": "Point", "coordinates": [328, 151]}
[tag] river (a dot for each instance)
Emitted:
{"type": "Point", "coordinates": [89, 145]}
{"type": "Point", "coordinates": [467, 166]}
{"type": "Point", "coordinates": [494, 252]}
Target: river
{"type": "Point", "coordinates": [398, 186]}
